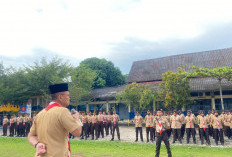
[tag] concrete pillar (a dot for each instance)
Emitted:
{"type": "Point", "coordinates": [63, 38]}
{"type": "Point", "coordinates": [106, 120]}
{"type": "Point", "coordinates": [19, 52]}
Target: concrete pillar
{"type": "Point", "coordinates": [213, 103]}
{"type": "Point", "coordinates": [129, 108]}
{"type": "Point", "coordinates": [37, 100]}
{"type": "Point", "coordinates": [87, 107]}
{"type": "Point", "coordinates": [154, 105]}
{"type": "Point", "coordinates": [107, 107]}
{"type": "Point", "coordinates": [95, 108]}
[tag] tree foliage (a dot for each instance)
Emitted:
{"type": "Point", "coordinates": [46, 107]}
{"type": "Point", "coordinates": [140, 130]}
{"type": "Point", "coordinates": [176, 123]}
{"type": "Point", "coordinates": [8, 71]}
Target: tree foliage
{"type": "Point", "coordinates": [219, 73]}
{"type": "Point", "coordinates": [139, 96]}
{"type": "Point", "coordinates": [174, 89]}
{"type": "Point", "coordinates": [107, 74]}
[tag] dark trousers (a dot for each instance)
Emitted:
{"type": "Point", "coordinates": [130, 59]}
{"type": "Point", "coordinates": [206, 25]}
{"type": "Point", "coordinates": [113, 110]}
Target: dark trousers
{"type": "Point", "coordinates": [228, 132]}
{"type": "Point", "coordinates": [218, 134]}
{"type": "Point", "coordinates": [100, 129]}
{"type": "Point", "coordinates": [5, 130]}
{"type": "Point", "coordinates": [159, 139]}
{"type": "Point", "coordinates": [84, 131]}
{"type": "Point", "coordinates": [15, 128]}
{"type": "Point", "coordinates": [169, 132]}
{"type": "Point", "coordinates": [210, 131]}
{"type": "Point", "coordinates": [12, 129]}
{"type": "Point", "coordinates": [182, 130]}
{"type": "Point", "coordinates": [115, 127]}
{"type": "Point", "coordinates": [108, 128]}
{"type": "Point", "coordinates": [27, 128]}
{"type": "Point", "coordinates": [137, 130]}
{"type": "Point", "coordinates": [89, 126]}
{"type": "Point", "coordinates": [204, 134]}
{"type": "Point", "coordinates": [94, 128]}
{"type": "Point", "coordinates": [153, 130]}
{"type": "Point", "coordinates": [149, 130]}
{"type": "Point", "coordinates": [23, 130]}
{"type": "Point", "coordinates": [176, 134]}
{"type": "Point", "coordinates": [189, 132]}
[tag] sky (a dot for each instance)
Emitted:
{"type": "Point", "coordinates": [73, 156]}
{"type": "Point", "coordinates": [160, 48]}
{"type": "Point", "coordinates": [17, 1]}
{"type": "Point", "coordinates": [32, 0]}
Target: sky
{"type": "Point", "coordinates": [122, 31]}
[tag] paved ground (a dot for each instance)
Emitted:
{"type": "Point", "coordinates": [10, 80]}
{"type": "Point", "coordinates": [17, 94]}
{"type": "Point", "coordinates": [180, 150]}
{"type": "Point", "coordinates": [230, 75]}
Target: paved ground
{"type": "Point", "coordinates": [128, 135]}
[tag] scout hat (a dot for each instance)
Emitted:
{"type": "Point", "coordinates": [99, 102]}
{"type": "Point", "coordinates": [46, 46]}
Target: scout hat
{"type": "Point", "coordinates": [56, 88]}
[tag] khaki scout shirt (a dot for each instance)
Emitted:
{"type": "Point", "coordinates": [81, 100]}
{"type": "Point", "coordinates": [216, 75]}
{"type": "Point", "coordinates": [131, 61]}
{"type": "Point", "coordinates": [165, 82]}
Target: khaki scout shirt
{"type": "Point", "coordinates": [138, 120]}
{"type": "Point", "coordinates": [227, 120]}
{"type": "Point", "coordinates": [14, 120]}
{"type": "Point", "coordinates": [201, 120]}
{"type": "Point", "coordinates": [182, 117]}
{"type": "Point", "coordinates": [84, 119]}
{"type": "Point", "coordinates": [149, 120]}
{"type": "Point", "coordinates": [5, 121]}
{"type": "Point", "coordinates": [165, 124]}
{"type": "Point", "coordinates": [94, 119]}
{"type": "Point", "coordinates": [108, 118]}
{"type": "Point", "coordinates": [20, 119]}
{"type": "Point", "coordinates": [189, 121]}
{"type": "Point", "coordinates": [52, 128]}
{"type": "Point", "coordinates": [214, 122]}
{"type": "Point", "coordinates": [176, 122]}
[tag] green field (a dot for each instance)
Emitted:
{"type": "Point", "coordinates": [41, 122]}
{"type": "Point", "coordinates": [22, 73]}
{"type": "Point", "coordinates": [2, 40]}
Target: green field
{"type": "Point", "coordinates": [19, 147]}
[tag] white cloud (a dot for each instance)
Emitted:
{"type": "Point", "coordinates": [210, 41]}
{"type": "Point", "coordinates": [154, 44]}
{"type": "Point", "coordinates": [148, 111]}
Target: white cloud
{"type": "Point", "coordinates": [86, 28]}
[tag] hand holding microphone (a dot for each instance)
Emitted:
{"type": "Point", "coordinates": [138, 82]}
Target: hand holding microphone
{"type": "Point", "coordinates": [76, 115]}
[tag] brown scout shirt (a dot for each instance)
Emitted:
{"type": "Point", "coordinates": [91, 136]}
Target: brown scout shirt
{"type": "Point", "coordinates": [149, 120]}
{"type": "Point", "coordinates": [200, 121]}
{"type": "Point", "coordinates": [176, 122]}
{"type": "Point", "coordinates": [214, 122]}
{"type": "Point", "coordinates": [189, 121]}
{"type": "Point", "coordinates": [138, 120]}
{"type": "Point", "coordinates": [52, 128]}
{"type": "Point", "coordinates": [84, 119]}
{"type": "Point", "coordinates": [165, 123]}
{"type": "Point", "coordinates": [94, 119]}
{"type": "Point", "coordinates": [5, 121]}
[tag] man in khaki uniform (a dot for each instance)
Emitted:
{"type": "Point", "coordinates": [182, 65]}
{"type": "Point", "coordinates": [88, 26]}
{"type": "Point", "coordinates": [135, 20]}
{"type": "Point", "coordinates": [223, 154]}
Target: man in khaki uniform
{"type": "Point", "coordinates": [138, 120]}
{"type": "Point", "coordinates": [5, 124]}
{"type": "Point", "coordinates": [227, 122]}
{"type": "Point", "coordinates": [100, 124]}
{"type": "Point", "coordinates": [190, 128]}
{"type": "Point", "coordinates": [12, 126]}
{"type": "Point", "coordinates": [203, 123]}
{"type": "Point", "coordinates": [161, 131]}
{"type": "Point", "coordinates": [217, 123]}
{"type": "Point", "coordinates": [108, 124]}
{"type": "Point", "coordinates": [19, 125]}
{"type": "Point", "coordinates": [176, 127]}
{"type": "Point", "coordinates": [89, 125]}
{"type": "Point", "coordinates": [149, 122]}
{"type": "Point", "coordinates": [94, 126]}
{"type": "Point", "coordinates": [49, 132]}
{"type": "Point", "coordinates": [84, 121]}
{"type": "Point", "coordinates": [182, 117]}
{"type": "Point", "coordinates": [115, 120]}
{"type": "Point", "coordinates": [15, 124]}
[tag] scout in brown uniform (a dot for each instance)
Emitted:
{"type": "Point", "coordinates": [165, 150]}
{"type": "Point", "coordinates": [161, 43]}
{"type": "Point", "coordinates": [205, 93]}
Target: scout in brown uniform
{"type": "Point", "coordinates": [5, 124]}
{"type": "Point", "coordinates": [89, 126]}
{"type": "Point", "coordinates": [115, 120]}
{"type": "Point", "coordinates": [138, 120]}
{"type": "Point", "coordinates": [161, 131]}
{"type": "Point", "coordinates": [100, 124]}
{"type": "Point", "coordinates": [149, 120]}
{"type": "Point", "coordinates": [182, 117]}
{"type": "Point", "coordinates": [94, 126]}
{"type": "Point", "coordinates": [169, 130]}
{"type": "Point", "coordinates": [19, 125]}
{"type": "Point", "coordinates": [218, 128]}
{"type": "Point", "coordinates": [108, 124]}
{"type": "Point", "coordinates": [190, 128]}
{"type": "Point", "coordinates": [227, 124]}
{"type": "Point", "coordinates": [153, 130]}
{"type": "Point", "coordinates": [49, 132]}
{"type": "Point", "coordinates": [176, 127]}
{"type": "Point", "coordinates": [12, 126]}
{"type": "Point", "coordinates": [28, 124]}
{"type": "Point", "coordinates": [203, 123]}
{"type": "Point", "coordinates": [104, 121]}
{"type": "Point", "coordinates": [15, 124]}
{"type": "Point", "coordinates": [84, 121]}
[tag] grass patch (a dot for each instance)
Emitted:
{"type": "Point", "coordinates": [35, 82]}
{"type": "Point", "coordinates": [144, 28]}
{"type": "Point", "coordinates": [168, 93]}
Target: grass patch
{"type": "Point", "coordinates": [19, 147]}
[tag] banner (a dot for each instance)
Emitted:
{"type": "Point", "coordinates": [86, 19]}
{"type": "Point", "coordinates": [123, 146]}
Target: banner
{"type": "Point", "coordinates": [29, 110]}
{"type": "Point", "coordinates": [23, 109]}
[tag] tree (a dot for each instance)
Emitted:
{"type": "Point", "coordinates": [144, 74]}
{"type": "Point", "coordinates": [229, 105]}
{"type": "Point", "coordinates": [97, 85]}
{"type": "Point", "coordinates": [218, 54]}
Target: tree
{"type": "Point", "coordinates": [107, 74]}
{"type": "Point", "coordinates": [219, 73]}
{"type": "Point", "coordinates": [174, 89]}
{"type": "Point", "coordinates": [139, 96]}
{"type": "Point", "coordinates": [81, 84]}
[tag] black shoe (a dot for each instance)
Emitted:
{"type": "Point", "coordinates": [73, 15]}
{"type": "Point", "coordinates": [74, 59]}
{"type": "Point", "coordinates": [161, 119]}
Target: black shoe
{"type": "Point", "coordinates": [92, 139]}
{"type": "Point", "coordinates": [173, 142]}
{"type": "Point", "coordinates": [136, 140]}
{"type": "Point", "coordinates": [112, 139]}
{"type": "Point", "coordinates": [180, 142]}
{"type": "Point", "coordinates": [194, 142]}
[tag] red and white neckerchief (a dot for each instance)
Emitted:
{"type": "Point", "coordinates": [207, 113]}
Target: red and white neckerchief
{"type": "Point", "coordinates": [114, 117]}
{"type": "Point", "coordinates": [89, 120]}
{"type": "Point", "coordinates": [24, 120]}
{"type": "Point", "coordinates": [93, 120]}
{"type": "Point", "coordinates": [149, 121]}
{"type": "Point", "coordinates": [137, 121]}
{"type": "Point", "coordinates": [160, 126]}
{"type": "Point", "coordinates": [3, 122]}
{"type": "Point", "coordinates": [218, 125]}
{"type": "Point", "coordinates": [203, 124]}
{"type": "Point", "coordinates": [190, 122]}
{"type": "Point", "coordinates": [175, 121]}
{"type": "Point", "coordinates": [51, 105]}
{"type": "Point", "coordinates": [108, 118]}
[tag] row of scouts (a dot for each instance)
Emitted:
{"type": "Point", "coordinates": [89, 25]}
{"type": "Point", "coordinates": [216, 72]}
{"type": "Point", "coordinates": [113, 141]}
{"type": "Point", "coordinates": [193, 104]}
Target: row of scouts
{"type": "Point", "coordinates": [18, 125]}
{"type": "Point", "coordinates": [212, 124]}
{"type": "Point", "coordinates": [96, 125]}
